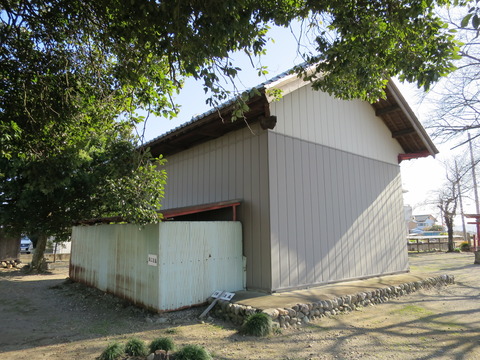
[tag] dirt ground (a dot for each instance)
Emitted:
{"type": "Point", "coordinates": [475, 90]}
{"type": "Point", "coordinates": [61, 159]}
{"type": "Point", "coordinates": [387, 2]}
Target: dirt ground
{"type": "Point", "coordinates": [45, 317]}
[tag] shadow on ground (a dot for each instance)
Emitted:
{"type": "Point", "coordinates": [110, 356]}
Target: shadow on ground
{"type": "Point", "coordinates": [58, 319]}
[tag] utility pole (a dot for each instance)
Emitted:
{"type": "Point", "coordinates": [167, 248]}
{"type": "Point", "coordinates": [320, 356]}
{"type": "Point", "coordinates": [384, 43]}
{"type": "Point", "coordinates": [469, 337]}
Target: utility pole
{"type": "Point", "coordinates": [475, 190]}
{"type": "Point", "coordinates": [465, 238]}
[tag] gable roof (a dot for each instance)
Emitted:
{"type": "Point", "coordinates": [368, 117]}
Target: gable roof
{"type": "Point", "coordinates": [423, 218]}
{"type": "Point", "coordinates": [393, 110]}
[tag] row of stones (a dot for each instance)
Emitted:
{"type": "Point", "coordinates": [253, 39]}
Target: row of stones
{"type": "Point", "coordinates": [304, 313]}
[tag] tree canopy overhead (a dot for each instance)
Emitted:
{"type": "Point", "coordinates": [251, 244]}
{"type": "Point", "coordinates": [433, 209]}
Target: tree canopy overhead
{"type": "Point", "coordinates": [360, 44]}
{"type": "Point", "coordinates": [74, 73]}
{"type": "Point", "coordinates": [364, 43]}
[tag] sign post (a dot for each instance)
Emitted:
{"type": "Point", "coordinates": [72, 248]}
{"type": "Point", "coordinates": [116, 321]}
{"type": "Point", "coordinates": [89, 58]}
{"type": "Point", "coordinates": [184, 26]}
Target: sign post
{"type": "Point", "coordinates": [217, 295]}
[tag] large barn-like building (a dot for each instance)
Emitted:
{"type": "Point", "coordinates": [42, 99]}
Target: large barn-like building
{"type": "Point", "coordinates": [317, 180]}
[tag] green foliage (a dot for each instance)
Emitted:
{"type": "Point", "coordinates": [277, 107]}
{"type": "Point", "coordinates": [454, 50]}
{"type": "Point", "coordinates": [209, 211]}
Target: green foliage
{"type": "Point", "coordinates": [274, 94]}
{"type": "Point", "coordinates": [472, 18]}
{"type": "Point", "coordinates": [360, 46]}
{"type": "Point", "coordinates": [163, 343]}
{"type": "Point", "coordinates": [465, 246]}
{"type": "Point", "coordinates": [258, 324]}
{"type": "Point", "coordinates": [192, 352]}
{"type": "Point", "coordinates": [135, 347]}
{"type": "Point", "coordinates": [67, 115]}
{"type": "Point", "coordinates": [435, 228]}
{"type": "Point", "coordinates": [112, 352]}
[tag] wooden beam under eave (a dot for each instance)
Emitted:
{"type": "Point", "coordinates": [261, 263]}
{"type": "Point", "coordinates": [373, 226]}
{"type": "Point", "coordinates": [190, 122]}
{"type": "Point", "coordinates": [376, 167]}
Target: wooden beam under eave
{"type": "Point", "coordinates": [159, 149]}
{"type": "Point", "coordinates": [410, 156]}
{"type": "Point", "coordinates": [404, 132]}
{"type": "Point", "coordinates": [208, 134]}
{"type": "Point", "coordinates": [386, 110]}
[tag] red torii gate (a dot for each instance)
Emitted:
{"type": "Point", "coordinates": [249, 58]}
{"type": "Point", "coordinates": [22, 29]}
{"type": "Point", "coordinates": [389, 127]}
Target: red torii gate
{"type": "Point", "coordinates": [476, 240]}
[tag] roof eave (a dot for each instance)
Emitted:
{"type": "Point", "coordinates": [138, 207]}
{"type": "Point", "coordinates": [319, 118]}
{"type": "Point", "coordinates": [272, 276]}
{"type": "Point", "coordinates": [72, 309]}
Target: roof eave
{"type": "Point", "coordinates": [402, 103]}
{"type": "Point", "coordinates": [213, 124]}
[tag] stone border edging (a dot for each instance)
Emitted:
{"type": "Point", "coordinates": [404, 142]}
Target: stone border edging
{"type": "Point", "coordinates": [302, 314]}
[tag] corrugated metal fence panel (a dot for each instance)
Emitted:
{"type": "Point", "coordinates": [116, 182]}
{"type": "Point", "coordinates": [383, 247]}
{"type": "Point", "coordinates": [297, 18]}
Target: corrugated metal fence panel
{"type": "Point", "coordinates": [113, 258]}
{"type": "Point", "coordinates": [334, 215]}
{"type": "Point", "coordinates": [196, 259]}
{"type": "Point", "coordinates": [81, 249]}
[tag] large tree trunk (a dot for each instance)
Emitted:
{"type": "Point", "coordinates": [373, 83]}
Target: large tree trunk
{"type": "Point", "coordinates": [38, 263]}
{"type": "Point", "coordinates": [449, 224]}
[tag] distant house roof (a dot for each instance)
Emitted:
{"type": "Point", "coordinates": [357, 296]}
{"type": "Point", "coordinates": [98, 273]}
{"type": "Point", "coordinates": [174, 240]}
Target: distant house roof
{"type": "Point", "coordinates": [394, 111]}
{"type": "Point", "coordinates": [423, 218]}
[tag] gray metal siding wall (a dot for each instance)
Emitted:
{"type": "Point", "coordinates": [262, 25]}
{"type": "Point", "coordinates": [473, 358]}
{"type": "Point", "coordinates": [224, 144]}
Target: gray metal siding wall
{"type": "Point", "coordinates": [334, 215]}
{"type": "Point", "coordinates": [234, 166]}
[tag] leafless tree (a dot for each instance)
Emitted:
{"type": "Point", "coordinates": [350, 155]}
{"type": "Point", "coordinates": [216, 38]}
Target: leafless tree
{"type": "Point", "coordinates": [456, 98]}
{"type": "Point", "coordinates": [447, 204]}
{"type": "Point", "coordinates": [448, 196]}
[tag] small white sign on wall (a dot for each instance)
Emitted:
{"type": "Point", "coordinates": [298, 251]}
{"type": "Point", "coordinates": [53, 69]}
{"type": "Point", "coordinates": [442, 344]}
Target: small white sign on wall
{"type": "Point", "coordinates": [152, 260]}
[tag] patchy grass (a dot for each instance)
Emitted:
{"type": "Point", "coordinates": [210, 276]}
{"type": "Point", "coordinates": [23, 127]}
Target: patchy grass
{"type": "Point", "coordinates": [136, 347]}
{"type": "Point", "coordinates": [112, 352]}
{"type": "Point", "coordinates": [192, 352]}
{"type": "Point", "coordinates": [163, 343]}
{"type": "Point", "coordinates": [259, 324]}
{"type": "Point", "coordinates": [412, 310]}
